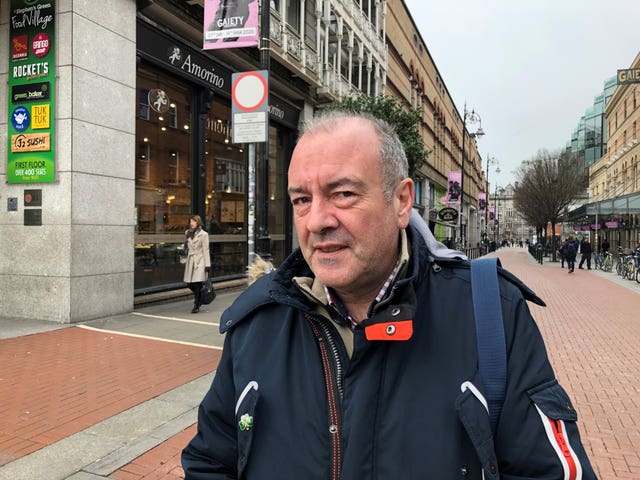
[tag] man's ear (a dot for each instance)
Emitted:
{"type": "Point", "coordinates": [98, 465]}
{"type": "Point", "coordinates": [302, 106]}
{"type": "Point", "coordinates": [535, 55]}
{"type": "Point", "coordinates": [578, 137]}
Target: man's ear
{"type": "Point", "coordinates": [403, 198]}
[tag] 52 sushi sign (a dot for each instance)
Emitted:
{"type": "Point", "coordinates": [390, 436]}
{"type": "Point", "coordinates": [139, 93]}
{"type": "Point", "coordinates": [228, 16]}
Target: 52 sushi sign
{"type": "Point", "coordinates": [30, 146]}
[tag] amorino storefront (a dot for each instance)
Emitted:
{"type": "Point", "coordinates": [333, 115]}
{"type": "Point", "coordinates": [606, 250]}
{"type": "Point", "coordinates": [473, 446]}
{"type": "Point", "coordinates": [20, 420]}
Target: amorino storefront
{"type": "Point", "coordinates": [186, 163]}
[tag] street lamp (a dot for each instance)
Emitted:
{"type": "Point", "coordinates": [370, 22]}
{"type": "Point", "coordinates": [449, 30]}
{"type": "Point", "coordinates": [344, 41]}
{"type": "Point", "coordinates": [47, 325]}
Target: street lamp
{"type": "Point", "coordinates": [490, 161]}
{"type": "Point", "coordinates": [497, 216]}
{"type": "Point", "coordinates": [472, 118]}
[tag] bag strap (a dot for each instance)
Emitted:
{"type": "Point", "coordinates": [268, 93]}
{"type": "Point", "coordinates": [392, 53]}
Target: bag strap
{"type": "Point", "coordinates": [492, 350]}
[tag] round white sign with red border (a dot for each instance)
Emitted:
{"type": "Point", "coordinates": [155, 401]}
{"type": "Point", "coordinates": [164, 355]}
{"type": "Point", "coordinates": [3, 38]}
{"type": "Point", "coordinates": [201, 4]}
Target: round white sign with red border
{"type": "Point", "coordinates": [249, 91]}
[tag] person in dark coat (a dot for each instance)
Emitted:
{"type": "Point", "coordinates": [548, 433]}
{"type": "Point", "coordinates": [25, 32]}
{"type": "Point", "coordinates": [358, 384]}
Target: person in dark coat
{"type": "Point", "coordinates": [569, 251]}
{"type": "Point", "coordinates": [561, 252]}
{"type": "Point", "coordinates": [585, 251]}
{"type": "Point", "coordinates": [357, 357]}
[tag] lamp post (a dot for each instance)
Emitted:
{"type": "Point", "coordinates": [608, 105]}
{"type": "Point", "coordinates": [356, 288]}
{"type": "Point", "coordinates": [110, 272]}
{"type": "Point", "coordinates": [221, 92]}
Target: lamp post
{"type": "Point", "coordinates": [497, 229]}
{"type": "Point", "coordinates": [471, 117]}
{"type": "Point", "coordinates": [490, 161]}
{"type": "Point", "coordinates": [263, 240]}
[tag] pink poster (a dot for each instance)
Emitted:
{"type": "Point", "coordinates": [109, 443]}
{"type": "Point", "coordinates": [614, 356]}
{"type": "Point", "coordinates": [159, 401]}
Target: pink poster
{"type": "Point", "coordinates": [492, 215]}
{"type": "Point", "coordinates": [230, 24]}
{"type": "Point", "coordinates": [454, 189]}
{"type": "Point", "coordinates": [482, 202]}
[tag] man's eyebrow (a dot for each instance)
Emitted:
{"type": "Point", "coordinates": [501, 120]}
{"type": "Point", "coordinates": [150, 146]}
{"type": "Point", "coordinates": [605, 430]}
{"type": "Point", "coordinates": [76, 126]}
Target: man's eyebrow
{"type": "Point", "coordinates": [292, 190]}
{"type": "Point", "coordinates": [338, 183]}
{"type": "Point", "coordinates": [345, 181]}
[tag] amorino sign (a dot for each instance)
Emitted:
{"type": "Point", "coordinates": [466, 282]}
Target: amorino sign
{"type": "Point", "coordinates": [183, 59]}
{"type": "Point", "coordinates": [190, 63]}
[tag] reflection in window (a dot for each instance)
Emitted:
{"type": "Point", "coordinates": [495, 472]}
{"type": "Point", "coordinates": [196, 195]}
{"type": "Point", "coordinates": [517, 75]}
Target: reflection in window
{"type": "Point", "coordinates": [143, 105]}
{"type": "Point", "coordinates": [163, 187]}
{"type": "Point", "coordinates": [143, 161]}
{"type": "Point", "coordinates": [172, 114]}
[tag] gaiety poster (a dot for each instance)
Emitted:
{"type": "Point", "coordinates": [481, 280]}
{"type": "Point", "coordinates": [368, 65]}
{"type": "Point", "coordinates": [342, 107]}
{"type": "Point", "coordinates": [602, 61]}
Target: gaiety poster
{"type": "Point", "coordinates": [30, 143]}
{"type": "Point", "coordinates": [230, 24]}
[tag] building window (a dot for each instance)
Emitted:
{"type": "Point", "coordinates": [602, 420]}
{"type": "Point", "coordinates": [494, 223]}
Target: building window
{"type": "Point", "coordinates": [293, 14]}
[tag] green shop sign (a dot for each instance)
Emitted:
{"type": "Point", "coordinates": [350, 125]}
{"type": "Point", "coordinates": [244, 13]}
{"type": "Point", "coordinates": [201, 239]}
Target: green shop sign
{"type": "Point", "coordinates": [30, 142]}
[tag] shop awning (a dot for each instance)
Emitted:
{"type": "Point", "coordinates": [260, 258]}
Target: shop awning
{"type": "Point", "coordinates": [628, 204]}
{"type": "Point", "coordinates": [620, 205]}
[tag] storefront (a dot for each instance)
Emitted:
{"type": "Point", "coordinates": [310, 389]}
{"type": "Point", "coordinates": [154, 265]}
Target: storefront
{"type": "Point", "coordinates": [616, 220]}
{"type": "Point", "coordinates": [186, 163]}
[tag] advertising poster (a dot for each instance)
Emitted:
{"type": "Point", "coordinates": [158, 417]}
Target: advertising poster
{"type": "Point", "coordinates": [230, 24]}
{"type": "Point", "coordinates": [30, 142]}
{"type": "Point", "coordinates": [454, 189]}
{"type": "Point", "coordinates": [482, 202]}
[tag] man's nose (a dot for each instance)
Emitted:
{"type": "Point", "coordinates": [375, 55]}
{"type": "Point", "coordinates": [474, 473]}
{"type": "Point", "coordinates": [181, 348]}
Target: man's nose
{"type": "Point", "coordinates": [321, 216]}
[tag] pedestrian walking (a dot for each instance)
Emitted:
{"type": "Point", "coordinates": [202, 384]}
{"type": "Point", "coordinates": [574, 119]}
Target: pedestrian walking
{"type": "Point", "coordinates": [356, 358]}
{"type": "Point", "coordinates": [570, 250]}
{"type": "Point", "coordinates": [198, 264]}
{"type": "Point", "coordinates": [585, 251]}
{"type": "Point", "coordinates": [561, 252]}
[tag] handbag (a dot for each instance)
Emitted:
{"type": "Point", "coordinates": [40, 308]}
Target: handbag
{"type": "Point", "coordinates": [183, 253]}
{"type": "Point", "coordinates": [207, 293]}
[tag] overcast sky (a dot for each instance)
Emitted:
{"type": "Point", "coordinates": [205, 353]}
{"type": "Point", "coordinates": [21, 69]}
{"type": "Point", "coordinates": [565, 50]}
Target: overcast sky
{"type": "Point", "coordinates": [530, 68]}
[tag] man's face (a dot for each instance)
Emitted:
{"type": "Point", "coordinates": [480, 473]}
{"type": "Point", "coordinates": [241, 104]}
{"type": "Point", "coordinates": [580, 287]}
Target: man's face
{"type": "Point", "coordinates": [348, 233]}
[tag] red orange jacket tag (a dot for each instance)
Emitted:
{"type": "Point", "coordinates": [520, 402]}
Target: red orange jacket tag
{"type": "Point", "coordinates": [400, 330]}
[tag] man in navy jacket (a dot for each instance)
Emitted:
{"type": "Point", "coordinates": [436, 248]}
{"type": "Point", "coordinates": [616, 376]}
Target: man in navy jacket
{"type": "Point", "coordinates": [357, 359]}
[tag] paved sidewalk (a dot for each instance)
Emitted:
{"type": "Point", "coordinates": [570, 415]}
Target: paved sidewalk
{"type": "Point", "coordinates": [591, 327]}
{"type": "Point", "coordinates": [81, 401]}
{"type": "Point", "coordinates": [119, 399]}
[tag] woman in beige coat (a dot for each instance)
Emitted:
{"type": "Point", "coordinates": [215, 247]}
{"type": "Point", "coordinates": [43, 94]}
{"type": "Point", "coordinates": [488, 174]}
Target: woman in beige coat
{"type": "Point", "coordinates": [198, 265]}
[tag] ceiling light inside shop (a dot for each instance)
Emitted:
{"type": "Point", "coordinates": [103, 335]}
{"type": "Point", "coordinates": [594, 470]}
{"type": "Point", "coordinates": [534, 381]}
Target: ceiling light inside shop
{"type": "Point", "coordinates": [186, 127]}
{"type": "Point", "coordinates": [164, 129]}
{"type": "Point", "coordinates": [145, 139]}
{"type": "Point", "coordinates": [161, 118]}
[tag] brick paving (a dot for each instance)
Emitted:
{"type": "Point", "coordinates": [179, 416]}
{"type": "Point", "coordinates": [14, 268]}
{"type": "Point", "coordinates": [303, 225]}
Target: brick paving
{"type": "Point", "coordinates": [591, 327]}
{"type": "Point", "coordinates": [162, 461]}
{"type": "Point", "coordinates": [57, 383]}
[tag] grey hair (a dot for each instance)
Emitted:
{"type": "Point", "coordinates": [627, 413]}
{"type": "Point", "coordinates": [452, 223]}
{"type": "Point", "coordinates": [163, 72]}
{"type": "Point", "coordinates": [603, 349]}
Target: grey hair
{"type": "Point", "coordinates": [391, 155]}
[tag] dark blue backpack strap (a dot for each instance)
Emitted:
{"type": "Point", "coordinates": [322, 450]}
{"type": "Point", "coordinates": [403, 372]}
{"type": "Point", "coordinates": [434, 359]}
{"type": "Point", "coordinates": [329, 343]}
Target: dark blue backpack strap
{"type": "Point", "coordinates": [492, 350]}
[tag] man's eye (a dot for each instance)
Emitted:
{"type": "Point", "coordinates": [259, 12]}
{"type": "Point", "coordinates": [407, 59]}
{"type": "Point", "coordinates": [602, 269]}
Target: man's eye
{"type": "Point", "coordinates": [346, 194]}
{"type": "Point", "coordinates": [299, 200]}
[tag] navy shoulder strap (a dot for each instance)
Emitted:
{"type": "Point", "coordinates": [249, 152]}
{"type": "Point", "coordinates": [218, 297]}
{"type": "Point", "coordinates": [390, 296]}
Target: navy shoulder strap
{"type": "Point", "coordinates": [492, 350]}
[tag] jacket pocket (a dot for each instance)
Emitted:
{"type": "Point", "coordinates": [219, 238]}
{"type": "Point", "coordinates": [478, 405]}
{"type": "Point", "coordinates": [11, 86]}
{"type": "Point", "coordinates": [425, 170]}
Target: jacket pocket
{"type": "Point", "coordinates": [245, 422]}
{"type": "Point", "coordinates": [472, 412]}
{"type": "Point", "coordinates": [559, 419]}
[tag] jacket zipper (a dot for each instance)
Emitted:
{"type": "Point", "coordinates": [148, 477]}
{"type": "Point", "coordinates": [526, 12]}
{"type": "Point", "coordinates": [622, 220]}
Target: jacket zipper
{"type": "Point", "coordinates": [333, 382]}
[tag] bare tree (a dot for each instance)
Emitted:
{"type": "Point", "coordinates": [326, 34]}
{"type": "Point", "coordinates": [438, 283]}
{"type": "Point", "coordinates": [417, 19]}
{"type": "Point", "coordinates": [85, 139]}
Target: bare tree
{"type": "Point", "coordinates": [548, 184]}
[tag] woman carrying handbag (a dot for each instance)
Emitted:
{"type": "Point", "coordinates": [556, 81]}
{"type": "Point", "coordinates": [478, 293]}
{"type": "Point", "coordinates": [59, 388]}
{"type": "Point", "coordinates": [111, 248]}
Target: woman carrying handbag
{"type": "Point", "coordinates": [198, 264]}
